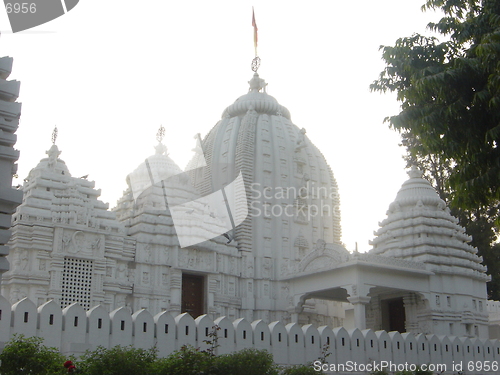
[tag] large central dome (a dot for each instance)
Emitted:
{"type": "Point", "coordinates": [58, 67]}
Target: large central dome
{"type": "Point", "coordinates": [292, 195]}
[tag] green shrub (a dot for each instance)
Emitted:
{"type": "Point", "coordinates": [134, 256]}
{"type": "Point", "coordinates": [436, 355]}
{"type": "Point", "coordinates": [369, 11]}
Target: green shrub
{"type": "Point", "coordinates": [27, 355]}
{"type": "Point", "coordinates": [246, 362]}
{"type": "Point", "coordinates": [118, 360]}
{"type": "Point", "coordinates": [186, 361]}
{"type": "Point", "coordinates": [191, 361]}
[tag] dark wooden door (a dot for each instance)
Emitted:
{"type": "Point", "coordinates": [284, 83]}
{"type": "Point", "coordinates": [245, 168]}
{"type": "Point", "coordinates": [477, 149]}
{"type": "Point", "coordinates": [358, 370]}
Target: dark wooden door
{"type": "Point", "coordinates": [397, 316]}
{"type": "Point", "coordinates": [192, 295]}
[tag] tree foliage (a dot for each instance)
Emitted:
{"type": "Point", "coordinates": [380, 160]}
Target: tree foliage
{"type": "Point", "coordinates": [450, 96]}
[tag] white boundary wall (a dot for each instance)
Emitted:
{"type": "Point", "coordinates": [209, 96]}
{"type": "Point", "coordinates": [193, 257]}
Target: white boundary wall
{"type": "Point", "coordinates": [74, 330]}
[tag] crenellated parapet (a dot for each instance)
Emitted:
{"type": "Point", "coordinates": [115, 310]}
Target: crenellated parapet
{"type": "Point", "coordinates": [73, 330]}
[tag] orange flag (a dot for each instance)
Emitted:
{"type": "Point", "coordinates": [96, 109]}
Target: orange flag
{"type": "Point", "coordinates": [254, 24]}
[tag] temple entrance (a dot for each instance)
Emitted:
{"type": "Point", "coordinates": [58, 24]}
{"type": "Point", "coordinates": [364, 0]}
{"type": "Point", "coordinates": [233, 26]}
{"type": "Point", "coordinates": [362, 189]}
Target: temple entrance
{"type": "Point", "coordinates": [192, 295]}
{"type": "Point", "coordinates": [393, 315]}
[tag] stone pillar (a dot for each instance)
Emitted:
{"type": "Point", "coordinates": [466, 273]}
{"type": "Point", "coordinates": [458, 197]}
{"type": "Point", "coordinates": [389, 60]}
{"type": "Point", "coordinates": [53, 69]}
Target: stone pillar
{"type": "Point", "coordinates": [212, 287]}
{"type": "Point", "coordinates": [175, 291]}
{"type": "Point", "coordinates": [374, 314]}
{"type": "Point", "coordinates": [410, 304]}
{"type": "Point", "coordinates": [359, 303]}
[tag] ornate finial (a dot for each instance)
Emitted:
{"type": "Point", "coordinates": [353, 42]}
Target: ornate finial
{"type": "Point", "coordinates": [257, 83]}
{"type": "Point", "coordinates": [54, 135]}
{"type": "Point", "coordinates": [255, 64]}
{"type": "Point", "coordinates": [415, 172]}
{"type": "Point", "coordinates": [160, 134]}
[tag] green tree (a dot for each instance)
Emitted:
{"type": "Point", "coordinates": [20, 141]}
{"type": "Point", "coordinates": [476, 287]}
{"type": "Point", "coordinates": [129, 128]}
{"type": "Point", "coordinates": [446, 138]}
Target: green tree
{"type": "Point", "coordinates": [481, 227]}
{"type": "Point", "coordinates": [23, 355]}
{"type": "Point", "coordinates": [450, 95]}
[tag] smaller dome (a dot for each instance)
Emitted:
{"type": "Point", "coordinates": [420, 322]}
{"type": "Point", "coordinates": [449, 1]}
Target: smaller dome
{"type": "Point", "coordinates": [154, 169]}
{"type": "Point", "coordinates": [419, 227]}
{"type": "Point", "coordinates": [53, 162]}
{"type": "Point", "coordinates": [417, 188]}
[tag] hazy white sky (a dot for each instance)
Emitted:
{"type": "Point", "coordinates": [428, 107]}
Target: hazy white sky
{"type": "Point", "coordinates": [109, 73]}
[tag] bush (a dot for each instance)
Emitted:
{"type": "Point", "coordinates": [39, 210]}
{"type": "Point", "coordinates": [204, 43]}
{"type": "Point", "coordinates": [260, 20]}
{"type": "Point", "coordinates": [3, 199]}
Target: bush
{"type": "Point", "coordinates": [23, 355]}
{"type": "Point", "coordinates": [246, 362]}
{"type": "Point", "coordinates": [118, 360]}
{"type": "Point", "coordinates": [28, 356]}
{"type": "Point", "coordinates": [190, 361]}
{"type": "Point", "coordinates": [186, 361]}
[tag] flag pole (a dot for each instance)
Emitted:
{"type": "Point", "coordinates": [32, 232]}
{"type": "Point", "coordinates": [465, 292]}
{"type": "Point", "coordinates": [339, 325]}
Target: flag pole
{"type": "Point", "coordinates": [256, 59]}
{"type": "Point", "coordinates": [255, 30]}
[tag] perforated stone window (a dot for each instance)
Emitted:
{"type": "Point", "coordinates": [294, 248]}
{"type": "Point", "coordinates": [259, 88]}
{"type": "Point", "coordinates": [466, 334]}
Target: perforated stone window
{"type": "Point", "coordinates": [76, 282]}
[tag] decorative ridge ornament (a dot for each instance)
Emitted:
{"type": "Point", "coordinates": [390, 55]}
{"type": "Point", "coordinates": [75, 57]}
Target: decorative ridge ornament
{"type": "Point", "coordinates": [54, 135]}
{"type": "Point", "coordinates": [414, 172]}
{"type": "Point", "coordinates": [257, 83]}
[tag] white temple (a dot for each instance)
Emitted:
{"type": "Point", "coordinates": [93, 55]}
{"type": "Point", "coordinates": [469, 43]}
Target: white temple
{"type": "Point", "coordinates": [276, 256]}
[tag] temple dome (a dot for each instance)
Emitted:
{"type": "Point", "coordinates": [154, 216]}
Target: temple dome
{"type": "Point", "coordinates": [256, 137]}
{"type": "Point", "coordinates": [52, 162]}
{"type": "Point", "coordinates": [419, 227]}
{"type": "Point", "coordinates": [155, 188]}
